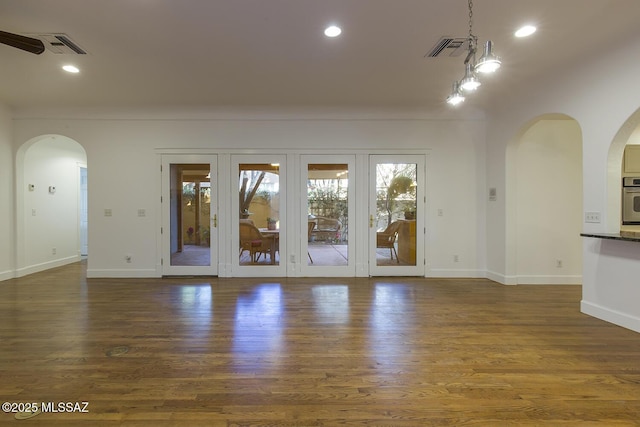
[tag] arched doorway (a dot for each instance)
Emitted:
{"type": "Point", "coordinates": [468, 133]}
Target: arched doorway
{"type": "Point", "coordinates": [49, 196]}
{"type": "Point", "coordinates": [544, 202]}
{"type": "Point", "coordinates": [629, 132]}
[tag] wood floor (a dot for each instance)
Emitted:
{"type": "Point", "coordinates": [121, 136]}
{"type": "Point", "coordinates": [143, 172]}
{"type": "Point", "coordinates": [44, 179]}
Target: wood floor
{"type": "Point", "coordinates": [311, 352]}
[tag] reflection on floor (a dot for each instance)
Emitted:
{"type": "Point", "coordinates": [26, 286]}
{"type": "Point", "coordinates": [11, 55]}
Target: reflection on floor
{"type": "Point", "coordinates": [390, 351]}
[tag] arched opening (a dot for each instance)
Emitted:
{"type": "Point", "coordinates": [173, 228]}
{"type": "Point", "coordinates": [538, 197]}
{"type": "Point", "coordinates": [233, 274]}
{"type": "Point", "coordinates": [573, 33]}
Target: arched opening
{"type": "Point", "coordinates": [544, 202]}
{"type": "Point", "coordinates": [50, 197]}
{"type": "Point", "coordinates": [629, 133]}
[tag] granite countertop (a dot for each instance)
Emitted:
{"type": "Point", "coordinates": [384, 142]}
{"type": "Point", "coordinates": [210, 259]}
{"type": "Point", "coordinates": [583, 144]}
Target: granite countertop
{"type": "Point", "coordinates": [612, 236]}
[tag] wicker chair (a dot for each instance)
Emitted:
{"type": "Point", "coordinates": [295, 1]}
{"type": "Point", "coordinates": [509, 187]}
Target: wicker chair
{"type": "Point", "coordinates": [387, 238]}
{"type": "Point", "coordinates": [255, 242]}
{"type": "Point", "coordinates": [310, 226]}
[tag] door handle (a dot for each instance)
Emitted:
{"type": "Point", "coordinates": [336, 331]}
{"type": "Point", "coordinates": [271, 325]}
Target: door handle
{"type": "Point", "coordinates": [215, 221]}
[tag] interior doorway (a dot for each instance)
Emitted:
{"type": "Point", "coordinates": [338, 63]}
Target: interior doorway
{"type": "Point", "coordinates": [545, 195]}
{"type": "Point", "coordinates": [49, 195]}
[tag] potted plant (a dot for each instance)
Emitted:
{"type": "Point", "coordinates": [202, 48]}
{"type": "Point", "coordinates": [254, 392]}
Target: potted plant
{"type": "Point", "coordinates": [399, 185]}
{"type": "Point", "coordinates": [271, 223]}
{"type": "Point", "coordinates": [205, 235]}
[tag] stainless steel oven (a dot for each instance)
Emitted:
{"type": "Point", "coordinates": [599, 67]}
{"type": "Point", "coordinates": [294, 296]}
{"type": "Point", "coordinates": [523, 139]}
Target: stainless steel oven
{"type": "Point", "coordinates": [631, 200]}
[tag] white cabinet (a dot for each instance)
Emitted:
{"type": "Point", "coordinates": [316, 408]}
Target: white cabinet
{"type": "Point", "coordinates": [632, 159]}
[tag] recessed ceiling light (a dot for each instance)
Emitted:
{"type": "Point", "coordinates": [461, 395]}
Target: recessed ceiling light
{"type": "Point", "coordinates": [525, 31]}
{"type": "Point", "coordinates": [332, 31]}
{"type": "Point", "coordinates": [71, 69]}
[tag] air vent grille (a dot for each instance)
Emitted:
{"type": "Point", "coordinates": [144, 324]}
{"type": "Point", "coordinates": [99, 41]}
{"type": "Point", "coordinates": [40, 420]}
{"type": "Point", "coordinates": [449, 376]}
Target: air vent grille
{"type": "Point", "coordinates": [448, 46]}
{"type": "Point", "coordinates": [60, 44]}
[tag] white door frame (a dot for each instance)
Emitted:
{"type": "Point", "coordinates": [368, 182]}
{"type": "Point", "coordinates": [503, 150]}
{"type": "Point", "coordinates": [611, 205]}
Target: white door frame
{"type": "Point", "coordinates": [165, 230]}
{"type": "Point", "coordinates": [419, 269]}
{"type": "Point", "coordinates": [311, 270]}
{"type": "Point", "coordinates": [279, 269]}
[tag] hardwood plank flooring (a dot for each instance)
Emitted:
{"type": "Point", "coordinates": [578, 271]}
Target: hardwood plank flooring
{"type": "Point", "coordinates": [311, 352]}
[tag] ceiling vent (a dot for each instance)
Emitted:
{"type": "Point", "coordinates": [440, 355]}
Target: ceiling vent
{"type": "Point", "coordinates": [60, 44]}
{"type": "Point", "coordinates": [448, 46]}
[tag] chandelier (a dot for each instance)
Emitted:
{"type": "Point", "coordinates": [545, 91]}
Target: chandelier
{"type": "Point", "coordinates": [488, 63]}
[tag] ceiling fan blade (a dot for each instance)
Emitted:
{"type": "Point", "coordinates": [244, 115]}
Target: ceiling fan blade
{"type": "Point", "coordinates": [22, 42]}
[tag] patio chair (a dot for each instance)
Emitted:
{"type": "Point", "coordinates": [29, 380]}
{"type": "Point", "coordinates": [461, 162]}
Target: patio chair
{"type": "Point", "coordinates": [310, 226]}
{"type": "Point", "coordinates": [387, 239]}
{"type": "Point", "coordinates": [255, 242]}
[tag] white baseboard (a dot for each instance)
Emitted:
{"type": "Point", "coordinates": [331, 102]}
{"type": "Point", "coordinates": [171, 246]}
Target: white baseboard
{"type": "Point", "coordinates": [463, 273]}
{"type": "Point", "coordinates": [122, 274]}
{"type": "Point", "coordinates": [612, 316]}
{"type": "Point", "coordinates": [37, 268]}
{"type": "Point", "coordinates": [501, 278]}
{"type": "Point", "coordinates": [550, 280]}
{"type": "Point", "coordinates": [6, 275]}
{"type": "Point", "coordinates": [534, 280]}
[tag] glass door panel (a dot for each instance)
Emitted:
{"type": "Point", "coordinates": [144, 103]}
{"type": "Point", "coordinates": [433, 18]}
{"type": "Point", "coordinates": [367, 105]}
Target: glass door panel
{"type": "Point", "coordinates": [327, 196]}
{"type": "Point", "coordinates": [260, 210]}
{"type": "Point", "coordinates": [191, 217]}
{"type": "Point", "coordinates": [396, 238]}
{"type": "Point", "coordinates": [190, 233]}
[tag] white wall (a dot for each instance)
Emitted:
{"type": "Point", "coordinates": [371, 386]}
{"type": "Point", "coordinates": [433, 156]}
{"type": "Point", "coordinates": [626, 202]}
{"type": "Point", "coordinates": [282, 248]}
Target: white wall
{"type": "Point", "coordinates": [50, 220]}
{"type": "Point", "coordinates": [7, 259]}
{"type": "Point", "coordinates": [601, 99]}
{"type": "Point", "coordinates": [549, 203]}
{"type": "Point", "coordinates": [124, 175]}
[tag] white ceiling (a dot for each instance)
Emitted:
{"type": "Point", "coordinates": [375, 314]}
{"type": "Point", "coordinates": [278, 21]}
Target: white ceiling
{"type": "Point", "coordinates": [196, 53]}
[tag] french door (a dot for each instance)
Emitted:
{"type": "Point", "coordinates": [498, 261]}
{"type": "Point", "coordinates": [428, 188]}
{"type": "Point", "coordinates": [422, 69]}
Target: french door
{"type": "Point", "coordinates": [396, 215]}
{"type": "Point", "coordinates": [327, 213]}
{"type": "Point", "coordinates": [189, 215]}
{"type": "Point", "coordinates": [258, 215]}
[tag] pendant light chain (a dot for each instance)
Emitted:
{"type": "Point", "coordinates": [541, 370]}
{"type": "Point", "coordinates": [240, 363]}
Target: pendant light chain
{"type": "Point", "coordinates": [488, 63]}
{"type": "Point", "coordinates": [472, 38]}
{"type": "Point", "coordinates": [470, 19]}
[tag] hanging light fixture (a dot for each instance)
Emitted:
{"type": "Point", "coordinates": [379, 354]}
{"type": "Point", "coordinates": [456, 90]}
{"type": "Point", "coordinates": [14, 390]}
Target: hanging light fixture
{"type": "Point", "coordinates": [488, 63]}
{"type": "Point", "coordinates": [469, 82]}
{"type": "Point", "coordinates": [456, 96]}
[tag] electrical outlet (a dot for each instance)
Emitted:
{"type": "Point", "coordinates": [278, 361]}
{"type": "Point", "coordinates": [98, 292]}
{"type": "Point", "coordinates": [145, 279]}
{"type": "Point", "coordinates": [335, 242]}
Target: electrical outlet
{"type": "Point", "coordinates": [592, 217]}
{"type": "Point", "coordinates": [559, 263]}
{"type": "Point", "coordinates": [128, 259]}
{"type": "Point", "coordinates": [456, 258]}
{"type": "Point", "coordinates": [53, 251]}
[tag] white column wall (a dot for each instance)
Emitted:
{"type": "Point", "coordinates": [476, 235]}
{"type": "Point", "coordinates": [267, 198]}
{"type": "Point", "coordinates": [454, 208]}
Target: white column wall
{"type": "Point", "coordinates": [548, 201]}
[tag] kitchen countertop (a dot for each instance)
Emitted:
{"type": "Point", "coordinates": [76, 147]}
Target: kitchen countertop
{"type": "Point", "coordinates": [611, 236]}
